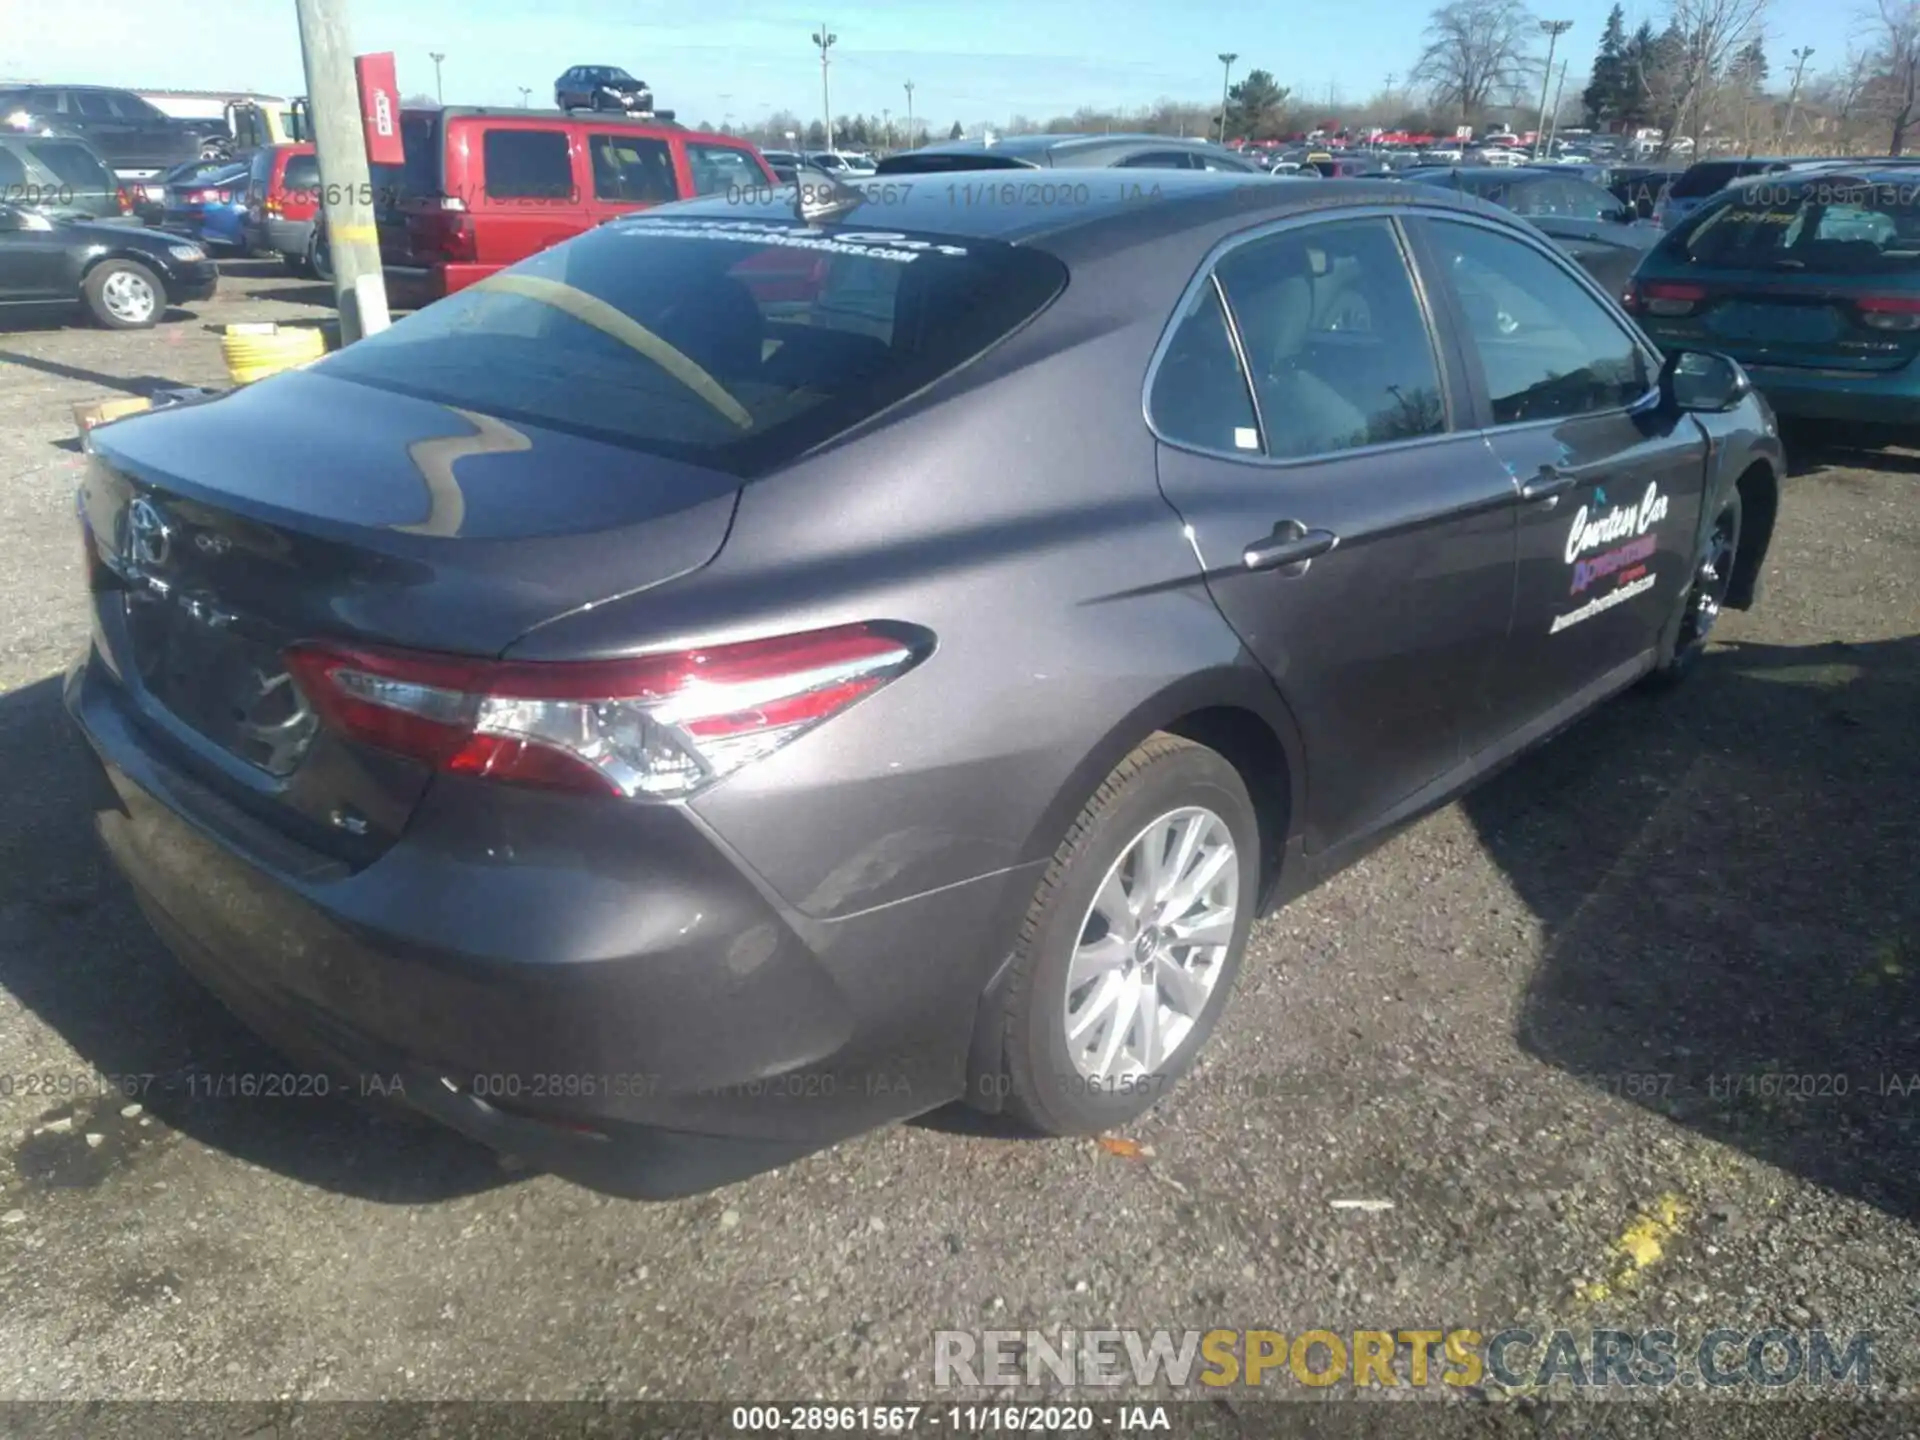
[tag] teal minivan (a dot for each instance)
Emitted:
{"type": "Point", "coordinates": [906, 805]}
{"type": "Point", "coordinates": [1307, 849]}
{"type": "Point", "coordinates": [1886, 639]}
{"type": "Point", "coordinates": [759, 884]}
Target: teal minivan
{"type": "Point", "coordinates": [1811, 280]}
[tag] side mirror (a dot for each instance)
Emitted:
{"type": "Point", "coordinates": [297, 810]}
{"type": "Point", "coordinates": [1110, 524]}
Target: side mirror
{"type": "Point", "coordinates": [1703, 381]}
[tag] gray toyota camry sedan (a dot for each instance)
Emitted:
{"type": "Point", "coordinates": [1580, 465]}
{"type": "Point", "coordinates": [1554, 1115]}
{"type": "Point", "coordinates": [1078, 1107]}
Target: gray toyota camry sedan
{"type": "Point", "coordinates": [772, 665]}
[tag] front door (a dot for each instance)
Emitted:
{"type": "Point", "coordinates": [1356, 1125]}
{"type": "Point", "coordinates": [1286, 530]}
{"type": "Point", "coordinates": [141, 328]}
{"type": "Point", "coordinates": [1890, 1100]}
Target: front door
{"type": "Point", "coordinates": [33, 261]}
{"type": "Point", "coordinates": [1358, 540]}
{"type": "Point", "coordinates": [1611, 482]}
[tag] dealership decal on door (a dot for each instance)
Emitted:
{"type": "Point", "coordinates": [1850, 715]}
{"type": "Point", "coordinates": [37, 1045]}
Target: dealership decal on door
{"type": "Point", "coordinates": [1596, 526]}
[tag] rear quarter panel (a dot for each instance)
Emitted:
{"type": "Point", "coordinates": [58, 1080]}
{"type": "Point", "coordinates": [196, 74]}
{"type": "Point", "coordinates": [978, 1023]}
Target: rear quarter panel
{"type": "Point", "coordinates": [1013, 510]}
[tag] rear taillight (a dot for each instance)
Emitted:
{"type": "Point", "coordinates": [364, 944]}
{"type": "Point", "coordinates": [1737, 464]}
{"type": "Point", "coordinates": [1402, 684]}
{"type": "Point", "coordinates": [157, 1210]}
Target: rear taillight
{"type": "Point", "coordinates": [123, 200]}
{"type": "Point", "coordinates": [656, 726]}
{"type": "Point", "coordinates": [1664, 297]}
{"type": "Point", "coordinates": [1889, 312]}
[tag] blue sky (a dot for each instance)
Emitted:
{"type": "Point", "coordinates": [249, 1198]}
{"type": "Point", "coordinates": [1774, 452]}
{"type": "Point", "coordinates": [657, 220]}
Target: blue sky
{"type": "Point", "coordinates": [971, 60]}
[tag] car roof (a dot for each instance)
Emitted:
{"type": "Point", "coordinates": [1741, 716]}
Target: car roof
{"type": "Point", "coordinates": [1119, 206]}
{"type": "Point", "coordinates": [1873, 172]}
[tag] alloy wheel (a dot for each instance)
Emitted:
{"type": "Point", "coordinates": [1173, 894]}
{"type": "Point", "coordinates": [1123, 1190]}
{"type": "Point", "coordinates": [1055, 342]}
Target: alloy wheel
{"type": "Point", "coordinates": [128, 297]}
{"type": "Point", "coordinates": [1152, 947]}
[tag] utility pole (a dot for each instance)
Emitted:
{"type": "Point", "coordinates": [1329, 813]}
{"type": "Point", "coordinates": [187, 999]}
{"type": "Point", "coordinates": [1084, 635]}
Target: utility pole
{"type": "Point", "coordinates": [1559, 93]}
{"type": "Point", "coordinates": [1226, 74]}
{"type": "Point", "coordinates": [910, 114]}
{"type": "Point", "coordinates": [437, 56]}
{"type": "Point", "coordinates": [526, 93]}
{"type": "Point", "coordinates": [346, 182]}
{"type": "Point", "coordinates": [1800, 58]}
{"type": "Point", "coordinates": [1555, 29]}
{"type": "Point", "coordinates": [825, 39]}
{"type": "Point", "coordinates": [886, 125]}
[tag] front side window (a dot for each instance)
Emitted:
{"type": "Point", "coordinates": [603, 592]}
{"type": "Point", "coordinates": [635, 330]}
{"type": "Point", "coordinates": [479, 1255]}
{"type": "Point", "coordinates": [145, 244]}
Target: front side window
{"type": "Point", "coordinates": [1338, 347]}
{"type": "Point", "coordinates": [1547, 347]}
{"type": "Point", "coordinates": [632, 169]}
{"type": "Point", "coordinates": [527, 165]}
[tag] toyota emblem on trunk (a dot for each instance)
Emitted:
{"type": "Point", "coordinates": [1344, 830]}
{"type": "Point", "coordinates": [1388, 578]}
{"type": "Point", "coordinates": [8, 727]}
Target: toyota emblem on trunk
{"type": "Point", "coordinates": [149, 537]}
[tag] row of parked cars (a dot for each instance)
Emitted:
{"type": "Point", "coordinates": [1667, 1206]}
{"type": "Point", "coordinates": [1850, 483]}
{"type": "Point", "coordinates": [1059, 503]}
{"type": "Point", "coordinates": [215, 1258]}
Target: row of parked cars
{"type": "Point", "coordinates": [483, 188]}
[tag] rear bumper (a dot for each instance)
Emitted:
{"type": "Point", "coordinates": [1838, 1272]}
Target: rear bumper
{"type": "Point", "coordinates": [615, 999]}
{"type": "Point", "coordinates": [1884, 397]}
{"type": "Point", "coordinates": [411, 286]}
{"type": "Point", "coordinates": [285, 237]}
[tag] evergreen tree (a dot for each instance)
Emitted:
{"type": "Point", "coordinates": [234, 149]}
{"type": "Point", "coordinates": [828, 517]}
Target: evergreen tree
{"type": "Point", "coordinates": [957, 132]}
{"type": "Point", "coordinates": [1609, 94]}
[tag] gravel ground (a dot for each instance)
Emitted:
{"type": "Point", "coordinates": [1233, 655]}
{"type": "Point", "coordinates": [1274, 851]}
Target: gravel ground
{"type": "Point", "coordinates": [1541, 1024]}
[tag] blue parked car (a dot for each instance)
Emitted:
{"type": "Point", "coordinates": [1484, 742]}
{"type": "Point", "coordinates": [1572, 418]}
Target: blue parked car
{"type": "Point", "coordinates": [208, 201]}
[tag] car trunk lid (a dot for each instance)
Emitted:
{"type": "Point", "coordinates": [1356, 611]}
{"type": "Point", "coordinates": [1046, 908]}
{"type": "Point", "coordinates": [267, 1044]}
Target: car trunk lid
{"type": "Point", "coordinates": [309, 507]}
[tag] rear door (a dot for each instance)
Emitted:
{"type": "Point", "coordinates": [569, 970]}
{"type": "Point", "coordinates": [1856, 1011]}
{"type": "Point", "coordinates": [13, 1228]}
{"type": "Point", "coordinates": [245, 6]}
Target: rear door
{"type": "Point", "coordinates": [1821, 274]}
{"type": "Point", "coordinates": [1610, 482]}
{"type": "Point", "coordinates": [1357, 538]}
{"type": "Point", "coordinates": [531, 193]}
{"type": "Point", "coordinates": [113, 134]}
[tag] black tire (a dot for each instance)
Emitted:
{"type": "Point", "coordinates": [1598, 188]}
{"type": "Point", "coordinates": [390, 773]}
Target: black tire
{"type": "Point", "coordinates": [319, 256]}
{"type": "Point", "coordinates": [296, 265]}
{"type": "Point", "coordinates": [1044, 1087]}
{"type": "Point", "coordinates": [110, 291]}
{"type": "Point", "coordinates": [1706, 595]}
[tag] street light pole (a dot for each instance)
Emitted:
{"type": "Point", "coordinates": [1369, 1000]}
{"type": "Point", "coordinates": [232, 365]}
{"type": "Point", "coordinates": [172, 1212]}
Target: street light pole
{"type": "Point", "coordinates": [910, 114]}
{"type": "Point", "coordinates": [526, 94]}
{"type": "Point", "coordinates": [1800, 58]}
{"type": "Point", "coordinates": [437, 56]}
{"type": "Point", "coordinates": [340, 146]}
{"type": "Point", "coordinates": [1226, 76]}
{"type": "Point", "coordinates": [1555, 29]}
{"type": "Point", "coordinates": [825, 39]}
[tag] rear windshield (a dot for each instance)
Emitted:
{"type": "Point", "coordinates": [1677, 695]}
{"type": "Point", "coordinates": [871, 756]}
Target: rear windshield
{"type": "Point", "coordinates": [301, 175]}
{"type": "Point", "coordinates": [1832, 227]}
{"type": "Point", "coordinates": [419, 176]}
{"type": "Point", "coordinates": [1711, 175]}
{"type": "Point", "coordinates": [737, 344]}
{"type": "Point", "coordinates": [911, 164]}
{"type": "Point", "coordinates": [77, 166]}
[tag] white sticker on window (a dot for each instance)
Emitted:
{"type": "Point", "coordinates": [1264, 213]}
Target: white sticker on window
{"type": "Point", "coordinates": [1245, 438]}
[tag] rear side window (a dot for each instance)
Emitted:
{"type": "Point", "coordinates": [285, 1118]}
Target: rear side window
{"type": "Point", "coordinates": [94, 105]}
{"type": "Point", "coordinates": [1200, 395]}
{"type": "Point", "coordinates": [527, 165]}
{"type": "Point", "coordinates": [1158, 160]}
{"type": "Point", "coordinates": [301, 175]}
{"type": "Point", "coordinates": [1830, 227]}
{"type": "Point", "coordinates": [737, 344]}
{"type": "Point", "coordinates": [632, 169]}
{"type": "Point", "coordinates": [1333, 334]}
{"type": "Point", "coordinates": [719, 169]}
{"type": "Point", "coordinates": [77, 167]}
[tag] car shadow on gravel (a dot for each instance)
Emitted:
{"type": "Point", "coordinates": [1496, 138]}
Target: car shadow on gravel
{"type": "Point", "coordinates": [1729, 880]}
{"type": "Point", "coordinates": [77, 954]}
{"type": "Point", "coordinates": [1814, 448]}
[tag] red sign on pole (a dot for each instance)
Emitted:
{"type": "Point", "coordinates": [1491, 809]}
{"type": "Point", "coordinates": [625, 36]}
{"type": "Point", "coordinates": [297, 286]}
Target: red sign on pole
{"type": "Point", "coordinates": [380, 108]}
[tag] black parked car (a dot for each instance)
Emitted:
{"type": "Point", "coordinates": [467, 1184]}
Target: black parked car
{"type": "Point", "coordinates": [124, 275]}
{"type": "Point", "coordinates": [1594, 226]}
{"type": "Point", "coordinates": [723, 683]}
{"type": "Point", "coordinates": [602, 87]}
{"type": "Point", "coordinates": [1031, 152]}
{"type": "Point", "coordinates": [135, 138]}
{"type": "Point", "coordinates": [60, 176]}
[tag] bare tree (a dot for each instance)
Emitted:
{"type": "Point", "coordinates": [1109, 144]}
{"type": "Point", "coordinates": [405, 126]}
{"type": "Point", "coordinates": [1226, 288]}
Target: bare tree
{"type": "Point", "coordinates": [1475, 50]}
{"type": "Point", "coordinates": [1893, 84]}
{"type": "Point", "coordinates": [1711, 33]}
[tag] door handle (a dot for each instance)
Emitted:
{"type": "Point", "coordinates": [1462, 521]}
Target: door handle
{"type": "Point", "coordinates": [1551, 481]}
{"type": "Point", "coordinates": [1290, 543]}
